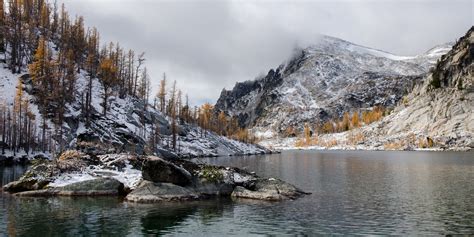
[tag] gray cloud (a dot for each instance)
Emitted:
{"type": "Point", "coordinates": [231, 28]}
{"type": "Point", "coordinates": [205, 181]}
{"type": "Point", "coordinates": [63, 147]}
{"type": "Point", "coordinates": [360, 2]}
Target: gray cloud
{"type": "Point", "coordinates": [209, 45]}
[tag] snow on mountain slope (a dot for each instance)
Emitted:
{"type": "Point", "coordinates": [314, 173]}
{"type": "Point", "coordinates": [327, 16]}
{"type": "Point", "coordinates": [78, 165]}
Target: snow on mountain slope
{"type": "Point", "coordinates": [442, 108]}
{"type": "Point", "coordinates": [322, 81]}
{"type": "Point", "coordinates": [8, 84]}
{"type": "Point", "coordinates": [437, 114]}
{"type": "Point", "coordinates": [126, 127]}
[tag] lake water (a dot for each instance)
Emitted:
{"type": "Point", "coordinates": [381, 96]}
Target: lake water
{"type": "Point", "coordinates": [353, 192]}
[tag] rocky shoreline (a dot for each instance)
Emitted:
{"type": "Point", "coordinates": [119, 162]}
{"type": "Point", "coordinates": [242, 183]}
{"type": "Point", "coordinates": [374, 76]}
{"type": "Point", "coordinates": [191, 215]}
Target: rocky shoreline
{"type": "Point", "coordinates": [23, 159]}
{"type": "Point", "coordinates": [345, 141]}
{"type": "Point", "coordinates": [145, 179]}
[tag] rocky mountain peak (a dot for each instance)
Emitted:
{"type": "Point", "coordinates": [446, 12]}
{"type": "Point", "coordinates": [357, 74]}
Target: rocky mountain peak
{"type": "Point", "coordinates": [323, 81]}
{"type": "Point", "coordinates": [455, 69]}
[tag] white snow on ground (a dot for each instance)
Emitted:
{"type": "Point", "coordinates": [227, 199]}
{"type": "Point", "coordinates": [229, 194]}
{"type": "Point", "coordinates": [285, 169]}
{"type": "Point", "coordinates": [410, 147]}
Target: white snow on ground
{"type": "Point", "coordinates": [8, 88]}
{"type": "Point", "coordinates": [210, 144]}
{"type": "Point", "coordinates": [122, 117]}
{"type": "Point", "coordinates": [70, 178]}
{"type": "Point", "coordinates": [8, 83]}
{"type": "Point", "coordinates": [129, 176]}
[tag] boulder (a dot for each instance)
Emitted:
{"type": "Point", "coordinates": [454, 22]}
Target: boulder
{"type": "Point", "coordinates": [208, 189]}
{"type": "Point", "coordinates": [269, 190]}
{"type": "Point", "coordinates": [160, 171]}
{"type": "Point", "coordinates": [167, 155]}
{"type": "Point", "coordinates": [149, 192]}
{"type": "Point", "coordinates": [240, 177]}
{"type": "Point", "coordinates": [37, 177]}
{"type": "Point", "coordinates": [21, 185]}
{"type": "Point", "coordinates": [95, 187]}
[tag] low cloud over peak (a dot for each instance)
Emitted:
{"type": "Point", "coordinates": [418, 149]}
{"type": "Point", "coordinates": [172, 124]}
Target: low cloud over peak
{"type": "Point", "coordinates": [209, 45]}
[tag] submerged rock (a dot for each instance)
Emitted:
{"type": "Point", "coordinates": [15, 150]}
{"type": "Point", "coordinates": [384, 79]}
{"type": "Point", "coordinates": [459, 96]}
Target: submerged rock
{"type": "Point", "coordinates": [149, 192]}
{"type": "Point", "coordinates": [269, 190]}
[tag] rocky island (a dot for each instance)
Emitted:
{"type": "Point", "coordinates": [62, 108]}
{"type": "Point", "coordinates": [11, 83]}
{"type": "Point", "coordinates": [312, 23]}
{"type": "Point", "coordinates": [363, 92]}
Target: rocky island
{"type": "Point", "coordinates": [145, 179]}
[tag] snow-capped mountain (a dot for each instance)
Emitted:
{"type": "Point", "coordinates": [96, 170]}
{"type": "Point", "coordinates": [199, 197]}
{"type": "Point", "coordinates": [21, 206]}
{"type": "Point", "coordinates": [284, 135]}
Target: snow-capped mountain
{"type": "Point", "coordinates": [323, 81]}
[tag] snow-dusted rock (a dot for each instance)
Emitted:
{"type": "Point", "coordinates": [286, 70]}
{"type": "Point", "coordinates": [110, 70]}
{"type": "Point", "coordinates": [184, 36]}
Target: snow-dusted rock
{"type": "Point", "coordinates": [37, 177]}
{"type": "Point", "coordinates": [159, 180]}
{"type": "Point", "coordinates": [94, 187]}
{"type": "Point", "coordinates": [158, 170]}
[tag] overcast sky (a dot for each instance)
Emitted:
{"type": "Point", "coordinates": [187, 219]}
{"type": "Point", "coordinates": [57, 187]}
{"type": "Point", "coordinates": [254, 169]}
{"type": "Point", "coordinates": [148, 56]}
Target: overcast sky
{"type": "Point", "coordinates": [209, 45]}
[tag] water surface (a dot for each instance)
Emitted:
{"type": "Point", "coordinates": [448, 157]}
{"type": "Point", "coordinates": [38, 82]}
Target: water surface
{"type": "Point", "coordinates": [353, 192]}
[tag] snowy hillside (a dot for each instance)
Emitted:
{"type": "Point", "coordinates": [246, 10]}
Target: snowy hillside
{"type": "Point", "coordinates": [127, 126]}
{"type": "Point", "coordinates": [323, 81]}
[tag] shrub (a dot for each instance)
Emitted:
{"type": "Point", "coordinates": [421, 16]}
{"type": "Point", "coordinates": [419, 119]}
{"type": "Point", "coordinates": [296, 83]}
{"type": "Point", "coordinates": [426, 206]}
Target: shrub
{"type": "Point", "coordinates": [460, 85]}
{"type": "Point", "coordinates": [211, 174]}
{"type": "Point", "coordinates": [394, 145]}
{"type": "Point", "coordinates": [405, 100]}
{"type": "Point", "coordinates": [328, 127]}
{"type": "Point", "coordinates": [70, 154]}
{"type": "Point", "coordinates": [425, 142]}
{"type": "Point", "coordinates": [374, 115]}
{"type": "Point", "coordinates": [435, 81]}
{"type": "Point", "coordinates": [356, 138]}
{"type": "Point", "coordinates": [300, 142]}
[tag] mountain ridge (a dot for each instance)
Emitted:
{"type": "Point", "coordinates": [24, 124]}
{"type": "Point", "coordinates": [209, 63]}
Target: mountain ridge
{"type": "Point", "coordinates": [313, 84]}
{"type": "Point", "coordinates": [436, 115]}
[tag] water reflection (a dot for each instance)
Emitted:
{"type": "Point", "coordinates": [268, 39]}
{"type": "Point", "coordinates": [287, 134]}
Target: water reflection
{"type": "Point", "coordinates": [401, 193]}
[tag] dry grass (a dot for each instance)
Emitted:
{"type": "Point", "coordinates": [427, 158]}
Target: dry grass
{"type": "Point", "coordinates": [70, 154]}
{"type": "Point", "coordinates": [300, 142]}
{"type": "Point", "coordinates": [328, 143]}
{"type": "Point", "coordinates": [425, 142]}
{"type": "Point", "coordinates": [71, 160]}
{"type": "Point", "coordinates": [355, 138]}
{"type": "Point", "coordinates": [398, 145]}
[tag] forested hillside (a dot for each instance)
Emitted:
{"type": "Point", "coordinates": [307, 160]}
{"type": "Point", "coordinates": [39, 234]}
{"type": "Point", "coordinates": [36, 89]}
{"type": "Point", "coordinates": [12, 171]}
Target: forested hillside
{"type": "Point", "coordinates": [61, 88]}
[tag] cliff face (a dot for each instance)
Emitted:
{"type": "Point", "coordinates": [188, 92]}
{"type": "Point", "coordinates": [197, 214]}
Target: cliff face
{"type": "Point", "coordinates": [323, 81]}
{"type": "Point", "coordinates": [442, 107]}
{"type": "Point", "coordinates": [248, 100]}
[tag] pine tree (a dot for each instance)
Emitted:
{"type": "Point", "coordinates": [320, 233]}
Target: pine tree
{"type": "Point", "coordinates": [39, 70]}
{"type": "Point", "coordinates": [140, 61]}
{"type": "Point", "coordinates": [69, 77]}
{"type": "Point", "coordinates": [18, 110]}
{"type": "Point", "coordinates": [4, 128]}
{"type": "Point", "coordinates": [179, 106]}
{"type": "Point", "coordinates": [345, 124]}
{"type": "Point", "coordinates": [355, 120]}
{"type": "Point", "coordinates": [162, 93]}
{"type": "Point", "coordinates": [172, 105]}
{"type": "Point", "coordinates": [2, 26]}
{"type": "Point", "coordinates": [307, 134]}
{"type": "Point", "coordinates": [45, 20]}
{"type": "Point", "coordinates": [107, 72]}
{"type": "Point", "coordinates": [206, 114]}
{"type": "Point", "coordinates": [222, 122]}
